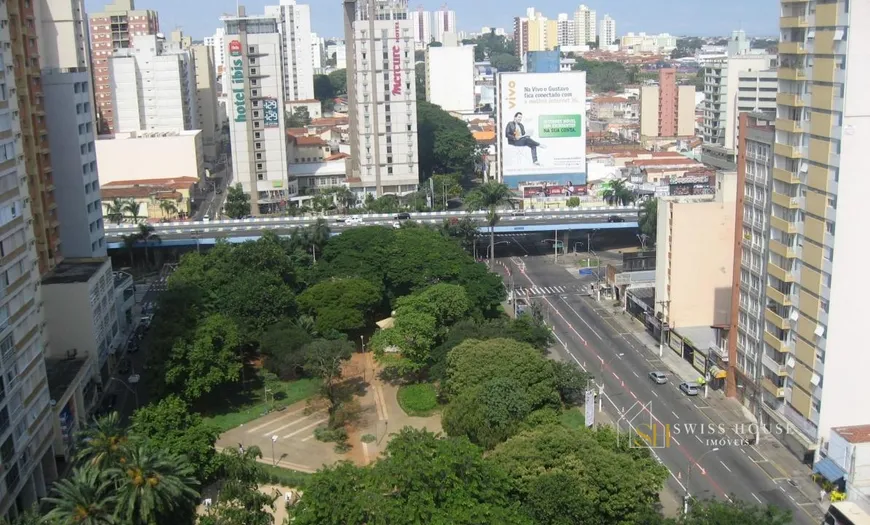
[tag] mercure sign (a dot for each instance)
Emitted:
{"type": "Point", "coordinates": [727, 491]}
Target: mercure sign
{"type": "Point", "coordinates": [397, 64]}
{"type": "Point", "coordinates": [237, 72]}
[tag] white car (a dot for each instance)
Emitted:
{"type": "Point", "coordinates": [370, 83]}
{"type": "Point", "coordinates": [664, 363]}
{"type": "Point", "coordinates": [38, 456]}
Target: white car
{"type": "Point", "coordinates": [397, 224]}
{"type": "Point", "coordinates": [356, 219]}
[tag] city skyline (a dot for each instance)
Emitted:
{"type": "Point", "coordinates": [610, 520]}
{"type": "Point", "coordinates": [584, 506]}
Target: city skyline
{"type": "Point", "coordinates": [670, 16]}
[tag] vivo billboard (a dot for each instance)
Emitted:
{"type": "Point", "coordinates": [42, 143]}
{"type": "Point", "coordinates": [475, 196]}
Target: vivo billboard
{"type": "Point", "coordinates": [542, 127]}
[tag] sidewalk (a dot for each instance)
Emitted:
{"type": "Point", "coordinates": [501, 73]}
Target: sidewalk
{"type": "Point", "coordinates": [777, 461]}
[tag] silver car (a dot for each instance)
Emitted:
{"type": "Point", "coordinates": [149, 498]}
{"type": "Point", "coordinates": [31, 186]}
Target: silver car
{"type": "Point", "coordinates": [689, 389]}
{"type": "Point", "coordinates": [658, 378]}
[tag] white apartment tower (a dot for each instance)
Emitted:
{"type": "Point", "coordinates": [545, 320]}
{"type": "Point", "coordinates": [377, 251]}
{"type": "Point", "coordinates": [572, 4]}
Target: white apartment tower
{"type": "Point", "coordinates": [421, 24]}
{"type": "Point", "coordinates": [567, 30]}
{"type": "Point", "coordinates": [607, 32]}
{"type": "Point", "coordinates": [382, 99]}
{"type": "Point", "coordinates": [62, 22]}
{"type": "Point", "coordinates": [444, 21]}
{"type": "Point", "coordinates": [585, 29]}
{"type": "Point", "coordinates": [318, 51]}
{"type": "Point", "coordinates": [153, 86]}
{"type": "Point", "coordinates": [294, 24]}
{"type": "Point", "coordinates": [218, 49]}
{"type": "Point", "coordinates": [254, 86]}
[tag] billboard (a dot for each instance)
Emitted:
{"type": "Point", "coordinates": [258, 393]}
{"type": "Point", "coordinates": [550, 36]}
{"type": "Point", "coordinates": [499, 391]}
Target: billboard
{"type": "Point", "coordinates": [271, 113]}
{"type": "Point", "coordinates": [542, 127]}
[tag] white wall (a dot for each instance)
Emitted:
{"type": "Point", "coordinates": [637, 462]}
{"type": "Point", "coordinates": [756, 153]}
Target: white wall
{"type": "Point", "coordinates": [450, 77]}
{"type": "Point", "coordinates": [149, 158]}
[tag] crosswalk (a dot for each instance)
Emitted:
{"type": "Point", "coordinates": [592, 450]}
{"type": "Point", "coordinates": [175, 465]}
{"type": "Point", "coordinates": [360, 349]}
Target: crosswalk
{"type": "Point", "coordinates": [537, 291]}
{"type": "Point", "coordinates": [298, 423]}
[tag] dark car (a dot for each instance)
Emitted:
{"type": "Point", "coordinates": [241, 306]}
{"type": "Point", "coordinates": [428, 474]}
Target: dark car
{"type": "Point", "coordinates": [404, 216]}
{"type": "Point", "coordinates": [218, 191]}
{"type": "Point", "coordinates": [615, 218]}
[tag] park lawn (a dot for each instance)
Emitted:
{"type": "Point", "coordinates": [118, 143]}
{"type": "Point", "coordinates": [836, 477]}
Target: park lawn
{"type": "Point", "coordinates": [418, 400]}
{"type": "Point", "coordinates": [573, 418]}
{"type": "Point", "coordinates": [287, 393]}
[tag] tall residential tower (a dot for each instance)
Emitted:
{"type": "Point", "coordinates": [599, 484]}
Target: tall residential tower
{"type": "Point", "coordinates": [294, 24]}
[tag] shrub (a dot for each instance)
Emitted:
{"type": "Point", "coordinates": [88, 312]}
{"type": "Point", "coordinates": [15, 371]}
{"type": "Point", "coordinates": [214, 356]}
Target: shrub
{"type": "Point", "coordinates": [327, 435]}
{"type": "Point", "coordinates": [418, 400]}
{"type": "Point", "coordinates": [368, 438]}
{"type": "Point", "coordinates": [573, 202]}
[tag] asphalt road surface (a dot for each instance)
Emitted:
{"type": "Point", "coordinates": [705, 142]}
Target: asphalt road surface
{"type": "Point", "coordinates": [735, 470]}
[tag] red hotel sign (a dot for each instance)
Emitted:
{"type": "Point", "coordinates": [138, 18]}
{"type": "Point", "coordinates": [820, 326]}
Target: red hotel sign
{"type": "Point", "coordinates": [397, 64]}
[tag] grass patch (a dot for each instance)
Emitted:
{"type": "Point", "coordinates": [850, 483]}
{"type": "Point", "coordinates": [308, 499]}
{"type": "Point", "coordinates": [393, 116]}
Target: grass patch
{"type": "Point", "coordinates": [418, 400]}
{"type": "Point", "coordinates": [248, 405]}
{"type": "Point", "coordinates": [573, 418]}
{"type": "Point", "coordinates": [282, 476]}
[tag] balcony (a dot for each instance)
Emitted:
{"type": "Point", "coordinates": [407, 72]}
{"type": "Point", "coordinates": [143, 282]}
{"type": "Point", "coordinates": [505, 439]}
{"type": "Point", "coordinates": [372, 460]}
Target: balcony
{"type": "Point", "coordinates": [780, 273]}
{"type": "Point", "coordinates": [778, 345]}
{"type": "Point", "coordinates": [773, 366]}
{"type": "Point", "coordinates": [792, 152]}
{"type": "Point", "coordinates": [788, 99]}
{"type": "Point", "coordinates": [772, 388]}
{"type": "Point", "coordinates": [792, 48]}
{"type": "Point", "coordinates": [775, 319]}
{"type": "Point", "coordinates": [792, 126]}
{"type": "Point", "coordinates": [783, 225]}
{"type": "Point", "coordinates": [785, 201]}
{"type": "Point", "coordinates": [785, 176]}
{"type": "Point", "coordinates": [792, 73]}
{"type": "Point", "coordinates": [778, 296]}
{"type": "Point", "coordinates": [793, 21]}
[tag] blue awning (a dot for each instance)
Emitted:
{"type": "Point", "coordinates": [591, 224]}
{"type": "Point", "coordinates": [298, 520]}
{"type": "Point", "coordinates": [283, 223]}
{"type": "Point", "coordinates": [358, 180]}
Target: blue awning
{"type": "Point", "coordinates": [829, 470]}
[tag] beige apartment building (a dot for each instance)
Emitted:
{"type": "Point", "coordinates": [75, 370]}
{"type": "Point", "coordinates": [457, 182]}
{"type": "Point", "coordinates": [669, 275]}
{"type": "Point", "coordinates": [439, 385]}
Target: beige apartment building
{"type": "Point", "coordinates": [811, 354]}
{"type": "Point", "coordinates": [667, 110]}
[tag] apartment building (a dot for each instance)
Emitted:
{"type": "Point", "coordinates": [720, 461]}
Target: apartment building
{"type": "Point", "coordinates": [443, 21]}
{"type": "Point", "coordinates": [114, 28]}
{"type": "Point", "coordinates": [153, 85]}
{"type": "Point", "coordinates": [644, 43]}
{"type": "Point", "coordinates": [218, 49]}
{"type": "Point", "coordinates": [566, 30]}
{"type": "Point", "coordinates": [421, 27]}
{"type": "Point", "coordinates": [450, 77]}
{"type": "Point", "coordinates": [666, 109]}
{"type": "Point", "coordinates": [206, 101]}
{"type": "Point", "coordinates": [607, 31]}
{"type": "Point", "coordinates": [294, 25]}
{"type": "Point", "coordinates": [731, 85]}
{"type": "Point", "coordinates": [585, 26]}
{"type": "Point", "coordinates": [318, 53]}
{"type": "Point", "coordinates": [535, 32]}
{"type": "Point", "coordinates": [63, 22]}
{"type": "Point", "coordinates": [811, 367]}
{"type": "Point", "coordinates": [254, 83]}
{"type": "Point", "coordinates": [383, 99]}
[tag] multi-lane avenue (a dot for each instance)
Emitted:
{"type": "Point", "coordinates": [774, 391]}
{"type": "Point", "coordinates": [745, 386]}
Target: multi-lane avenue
{"type": "Point", "coordinates": [620, 361]}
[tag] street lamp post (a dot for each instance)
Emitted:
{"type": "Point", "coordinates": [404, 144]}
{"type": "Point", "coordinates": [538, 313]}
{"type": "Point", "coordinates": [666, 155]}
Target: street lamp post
{"type": "Point", "coordinates": [274, 439]}
{"type": "Point", "coordinates": [601, 379]}
{"type": "Point", "coordinates": [689, 477]}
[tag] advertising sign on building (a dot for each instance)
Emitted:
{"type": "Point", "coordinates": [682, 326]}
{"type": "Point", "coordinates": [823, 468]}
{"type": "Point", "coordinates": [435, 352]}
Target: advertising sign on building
{"type": "Point", "coordinates": [542, 127]}
{"type": "Point", "coordinates": [590, 408]}
{"type": "Point", "coordinates": [397, 62]}
{"type": "Point", "coordinates": [237, 80]}
{"type": "Point", "coordinates": [270, 113]}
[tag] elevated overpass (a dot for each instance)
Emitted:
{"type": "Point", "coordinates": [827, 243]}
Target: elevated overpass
{"type": "Point", "coordinates": [240, 230]}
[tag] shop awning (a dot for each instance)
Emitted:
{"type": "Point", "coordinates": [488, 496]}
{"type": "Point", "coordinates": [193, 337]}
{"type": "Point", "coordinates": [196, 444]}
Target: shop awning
{"type": "Point", "coordinates": [829, 470]}
{"type": "Point", "coordinates": [717, 372]}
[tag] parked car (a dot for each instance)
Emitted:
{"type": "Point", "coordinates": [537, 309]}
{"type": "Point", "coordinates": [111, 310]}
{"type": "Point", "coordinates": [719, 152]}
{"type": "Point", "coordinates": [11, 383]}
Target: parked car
{"type": "Point", "coordinates": [404, 216]}
{"type": "Point", "coordinates": [615, 218]}
{"type": "Point", "coordinates": [340, 218]}
{"type": "Point", "coordinates": [689, 389]}
{"type": "Point", "coordinates": [518, 213]}
{"type": "Point", "coordinates": [658, 378]}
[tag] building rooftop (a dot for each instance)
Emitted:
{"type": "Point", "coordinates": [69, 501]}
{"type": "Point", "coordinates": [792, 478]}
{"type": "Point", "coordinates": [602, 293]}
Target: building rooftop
{"type": "Point", "coordinates": [308, 141]}
{"type": "Point", "coordinates": [151, 134]}
{"type": "Point", "coordinates": [140, 192]}
{"type": "Point", "coordinates": [61, 374]}
{"type": "Point", "coordinates": [854, 433]}
{"type": "Point", "coordinates": [700, 337]}
{"type": "Point", "coordinates": [297, 132]}
{"type": "Point", "coordinates": [176, 183]}
{"type": "Point", "coordinates": [74, 271]}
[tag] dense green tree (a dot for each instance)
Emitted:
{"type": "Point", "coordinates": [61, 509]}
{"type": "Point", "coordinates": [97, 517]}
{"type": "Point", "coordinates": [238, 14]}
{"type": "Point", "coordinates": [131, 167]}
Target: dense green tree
{"type": "Point", "coordinates": [648, 219]}
{"type": "Point", "coordinates": [446, 303]}
{"type": "Point", "coordinates": [238, 203]}
{"type": "Point", "coordinates": [343, 305]}
{"type": "Point", "coordinates": [489, 196]}
{"type": "Point", "coordinates": [716, 512]}
{"type": "Point", "coordinates": [338, 79]}
{"type": "Point", "coordinates": [571, 382]}
{"type": "Point", "coordinates": [487, 45]}
{"type": "Point", "coordinates": [170, 425]}
{"type": "Point", "coordinates": [505, 62]}
{"type": "Point", "coordinates": [446, 186]}
{"type": "Point", "coordinates": [324, 92]}
{"type": "Point", "coordinates": [324, 359]}
{"type": "Point", "coordinates": [102, 442]}
{"type": "Point", "coordinates": [240, 501]}
{"type": "Point", "coordinates": [487, 414]}
{"type": "Point", "coordinates": [298, 119]}
{"type": "Point", "coordinates": [464, 230]}
{"type": "Point", "coordinates": [564, 476]}
{"type": "Point", "coordinates": [282, 344]}
{"type": "Point", "coordinates": [603, 76]}
{"type": "Point", "coordinates": [445, 145]}
{"type": "Point", "coordinates": [615, 192]}
{"type": "Point", "coordinates": [421, 479]}
{"type": "Point", "coordinates": [206, 360]}
{"type": "Point", "coordinates": [85, 498]}
{"type": "Point", "coordinates": [417, 332]}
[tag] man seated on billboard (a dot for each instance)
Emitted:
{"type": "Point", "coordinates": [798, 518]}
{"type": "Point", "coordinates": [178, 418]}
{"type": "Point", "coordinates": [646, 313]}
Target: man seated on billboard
{"type": "Point", "coordinates": [515, 133]}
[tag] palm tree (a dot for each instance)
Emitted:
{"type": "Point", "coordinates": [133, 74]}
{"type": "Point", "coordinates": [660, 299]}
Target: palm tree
{"type": "Point", "coordinates": [103, 442]}
{"type": "Point", "coordinates": [463, 229]}
{"type": "Point", "coordinates": [345, 198]}
{"type": "Point", "coordinates": [151, 484]}
{"type": "Point", "coordinates": [115, 211]}
{"type": "Point", "coordinates": [131, 207]}
{"type": "Point", "coordinates": [489, 196]}
{"type": "Point", "coordinates": [168, 207]}
{"type": "Point", "coordinates": [146, 234]}
{"type": "Point", "coordinates": [306, 323]}
{"type": "Point", "coordinates": [85, 499]}
{"type": "Point", "coordinates": [615, 192]}
{"type": "Point", "coordinates": [647, 220]}
{"type": "Point", "coordinates": [129, 243]}
{"type": "Point", "coordinates": [317, 236]}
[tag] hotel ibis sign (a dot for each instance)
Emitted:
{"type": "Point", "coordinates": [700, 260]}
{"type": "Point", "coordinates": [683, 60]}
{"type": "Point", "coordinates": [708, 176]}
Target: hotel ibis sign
{"type": "Point", "coordinates": [237, 79]}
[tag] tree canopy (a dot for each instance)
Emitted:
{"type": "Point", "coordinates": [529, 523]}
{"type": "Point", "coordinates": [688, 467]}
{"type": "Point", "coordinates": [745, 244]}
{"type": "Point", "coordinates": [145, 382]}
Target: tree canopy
{"type": "Point", "coordinates": [603, 76]}
{"type": "Point", "coordinates": [444, 143]}
{"type": "Point", "coordinates": [338, 80]}
{"type": "Point", "coordinates": [341, 305]}
{"type": "Point", "coordinates": [238, 203]}
{"type": "Point", "coordinates": [505, 62]}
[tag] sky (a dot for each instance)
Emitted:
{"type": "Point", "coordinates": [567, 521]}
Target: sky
{"type": "Point", "coordinates": [199, 18]}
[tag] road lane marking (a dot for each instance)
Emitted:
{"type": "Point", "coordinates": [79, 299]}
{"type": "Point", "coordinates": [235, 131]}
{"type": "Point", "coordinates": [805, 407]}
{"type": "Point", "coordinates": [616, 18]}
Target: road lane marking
{"type": "Point", "coordinates": [655, 394]}
{"type": "Point", "coordinates": [303, 429]}
{"type": "Point", "coordinates": [584, 320]}
{"type": "Point", "coordinates": [675, 440]}
{"type": "Point", "coordinates": [635, 374]}
{"type": "Point", "coordinates": [726, 466]}
{"type": "Point", "coordinates": [675, 414]}
{"type": "Point", "coordinates": [290, 424]}
{"type": "Point", "coordinates": [756, 498]}
{"type": "Point", "coordinates": [699, 439]}
{"type": "Point", "coordinates": [273, 421]}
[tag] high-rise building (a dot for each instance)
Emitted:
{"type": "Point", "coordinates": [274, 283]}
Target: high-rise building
{"type": "Point", "coordinates": [382, 100]}
{"type": "Point", "coordinates": [450, 77]}
{"type": "Point", "coordinates": [566, 30]}
{"type": "Point", "coordinates": [63, 22]}
{"type": "Point", "coordinates": [585, 29]}
{"type": "Point", "coordinates": [153, 85]}
{"type": "Point", "coordinates": [218, 49]}
{"type": "Point", "coordinates": [667, 110]}
{"type": "Point", "coordinates": [294, 25]}
{"type": "Point", "coordinates": [254, 86]}
{"type": "Point", "coordinates": [206, 106]}
{"type": "Point", "coordinates": [644, 43]}
{"type": "Point", "coordinates": [535, 32]}
{"type": "Point", "coordinates": [809, 346]}
{"type": "Point", "coordinates": [607, 31]}
{"type": "Point", "coordinates": [318, 52]}
{"type": "Point", "coordinates": [731, 85]}
{"type": "Point", "coordinates": [443, 21]}
{"type": "Point", "coordinates": [115, 28]}
{"type": "Point", "coordinates": [421, 27]}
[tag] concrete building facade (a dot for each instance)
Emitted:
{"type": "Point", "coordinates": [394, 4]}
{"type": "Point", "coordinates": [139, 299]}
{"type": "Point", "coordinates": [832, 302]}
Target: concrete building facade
{"type": "Point", "coordinates": [294, 25]}
{"type": "Point", "coordinates": [148, 154]}
{"type": "Point", "coordinates": [450, 77]}
{"type": "Point", "coordinates": [607, 31]}
{"type": "Point", "coordinates": [114, 28]}
{"type": "Point", "coordinates": [254, 83]}
{"type": "Point", "coordinates": [63, 34]}
{"type": "Point", "coordinates": [443, 21]}
{"type": "Point", "coordinates": [535, 32]}
{"type": "Point", "coordinates": [566, 30]}
{"type": "Point", "coordinates": [421, 27]}
{"type": "Point", "coordinates": [206, 101]}
{"type": "Point", "coordinates": [218, 49]}
{"type": "Point", "coordinates": [585, 25]}
{"type": "Point", "coordinates": [666, 109]}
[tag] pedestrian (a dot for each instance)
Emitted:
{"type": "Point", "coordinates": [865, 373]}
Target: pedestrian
{"type": "Point", "coordinates": [241, 449]}
{"type": "Point", "coordinates": [822, 495]}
